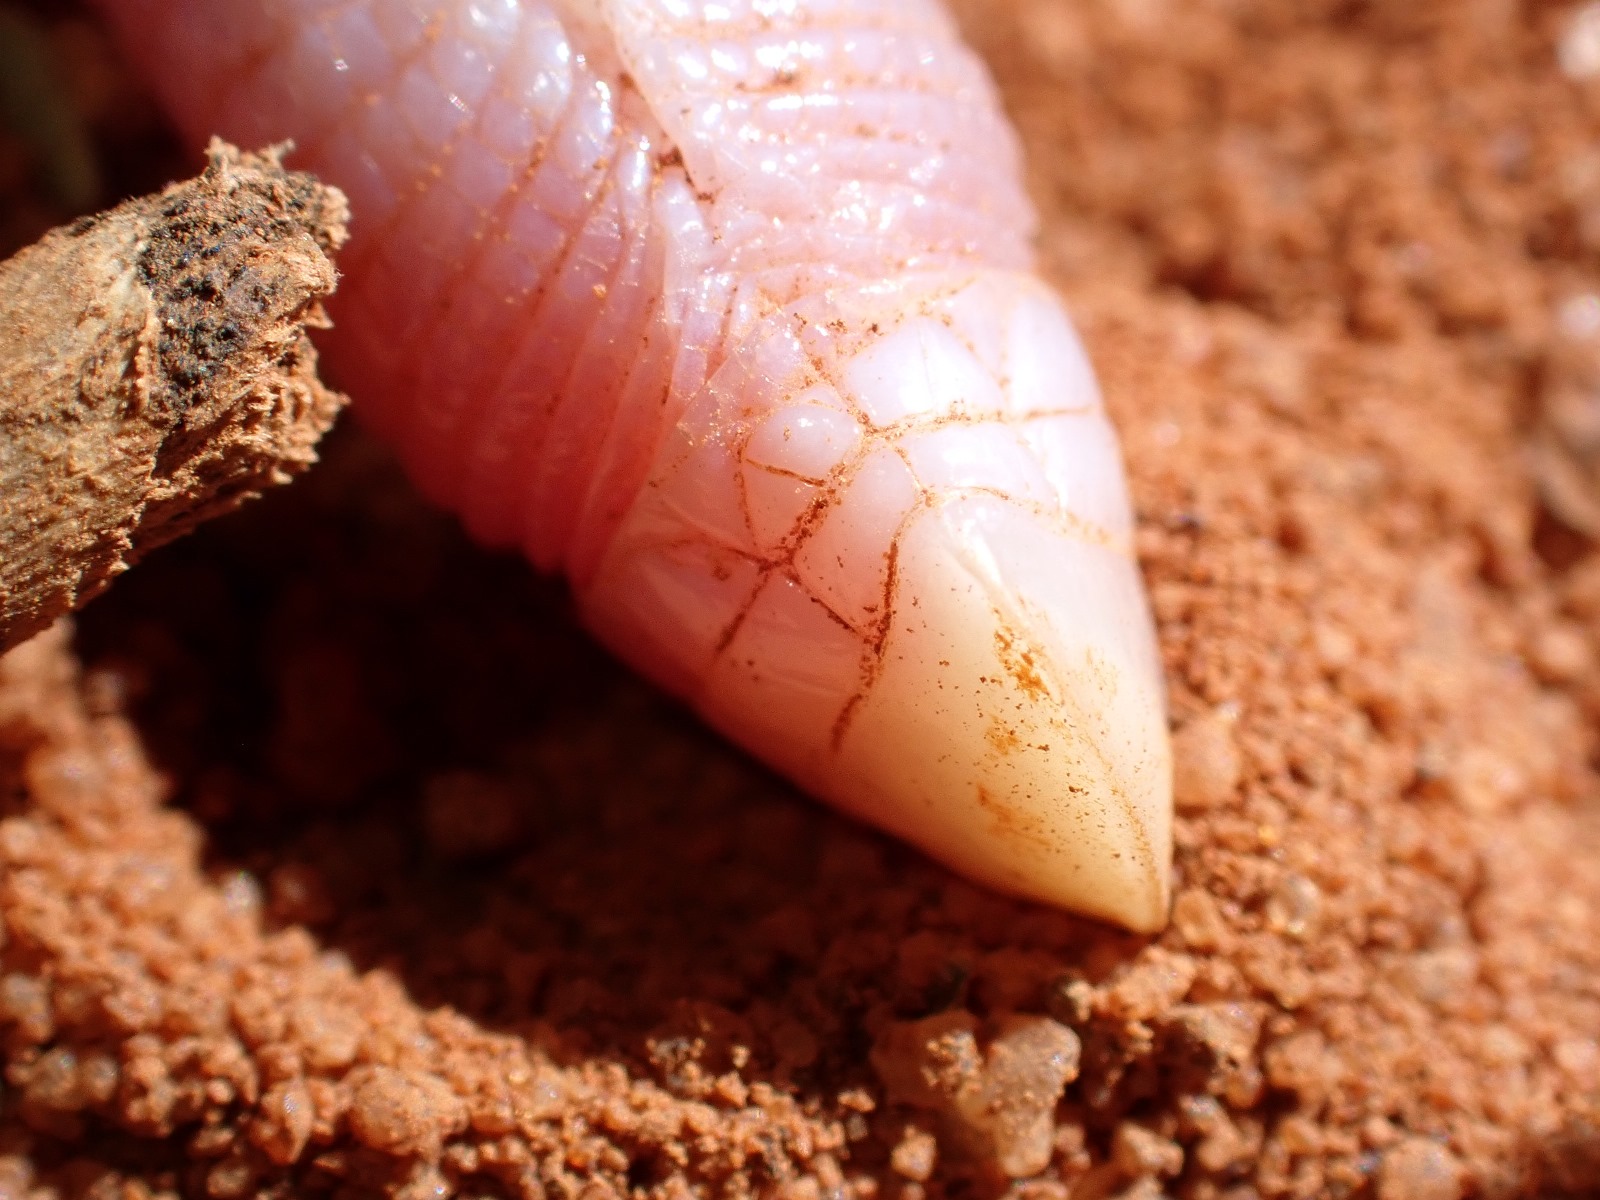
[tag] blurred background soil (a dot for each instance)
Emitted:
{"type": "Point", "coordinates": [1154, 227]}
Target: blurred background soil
{"type": "Point", "coordinates": [334, 861]}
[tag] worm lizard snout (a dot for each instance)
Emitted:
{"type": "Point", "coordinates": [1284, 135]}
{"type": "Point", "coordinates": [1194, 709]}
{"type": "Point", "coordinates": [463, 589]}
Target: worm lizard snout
{"type": "Point", "coordinates": [726, 311]}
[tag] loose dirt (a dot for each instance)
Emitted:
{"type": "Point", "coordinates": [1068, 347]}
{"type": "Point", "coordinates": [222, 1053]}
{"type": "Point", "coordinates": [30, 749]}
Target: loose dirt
{"type": "Point", "coordinates": [334, 861]}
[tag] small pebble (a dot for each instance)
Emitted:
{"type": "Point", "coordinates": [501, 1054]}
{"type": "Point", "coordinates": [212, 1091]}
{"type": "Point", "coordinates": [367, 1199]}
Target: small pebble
{"type": "Point", "coordinates": [1206, 763]}
{"type": "Point", "coordinates": [1418, 1169]}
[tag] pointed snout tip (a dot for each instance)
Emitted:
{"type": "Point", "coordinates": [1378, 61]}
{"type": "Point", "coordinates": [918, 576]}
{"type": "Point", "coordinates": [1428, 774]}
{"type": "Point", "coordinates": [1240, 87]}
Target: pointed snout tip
{"type": "Point", "coordinates": [1022, 743]}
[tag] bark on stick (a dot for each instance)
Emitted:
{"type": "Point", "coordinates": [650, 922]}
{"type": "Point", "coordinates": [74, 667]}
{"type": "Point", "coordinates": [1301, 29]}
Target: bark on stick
{"type": "Point", "coordinates": [155, 371]}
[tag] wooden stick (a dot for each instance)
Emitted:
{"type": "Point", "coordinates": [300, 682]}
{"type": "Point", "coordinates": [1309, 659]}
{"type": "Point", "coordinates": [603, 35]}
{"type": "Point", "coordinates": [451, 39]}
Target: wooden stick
{"type": "Point", "coordinates": [155, 371]}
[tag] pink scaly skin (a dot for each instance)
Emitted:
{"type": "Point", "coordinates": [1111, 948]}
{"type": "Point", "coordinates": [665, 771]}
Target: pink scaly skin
{"type": "Point", "coordinates": [724, 309]}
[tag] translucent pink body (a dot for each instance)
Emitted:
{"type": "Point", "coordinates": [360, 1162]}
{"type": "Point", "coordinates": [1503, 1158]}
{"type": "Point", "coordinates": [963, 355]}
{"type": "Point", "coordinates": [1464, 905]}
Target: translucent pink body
{"type": "Point", "coordinates": [723, 309]}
